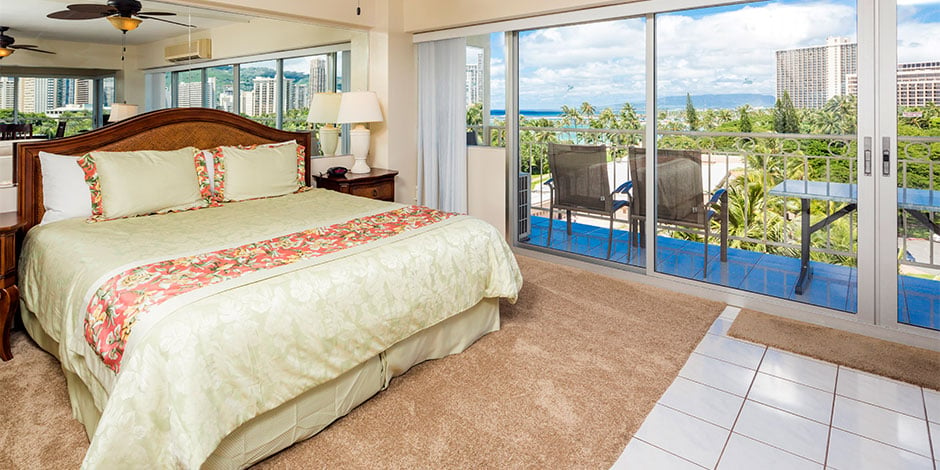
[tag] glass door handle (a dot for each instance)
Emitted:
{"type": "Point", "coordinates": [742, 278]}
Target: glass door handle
{"type": "Point", "coordinates": [867, 156]}
{"type": "Point", "coordinates": [886, 156]}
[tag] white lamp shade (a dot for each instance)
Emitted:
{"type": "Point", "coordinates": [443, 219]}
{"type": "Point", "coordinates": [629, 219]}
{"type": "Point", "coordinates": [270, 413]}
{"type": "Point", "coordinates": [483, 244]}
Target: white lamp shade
{"type": "Point", "coordinates": [121, 111]}
{"type": "Point", "coordinates": [324, 107]}
{"type": "Point", "coordinates": [359, 106]}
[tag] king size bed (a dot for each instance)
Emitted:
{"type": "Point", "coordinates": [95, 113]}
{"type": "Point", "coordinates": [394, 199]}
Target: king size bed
{"type": "Point", "coordinates": [220, 331]}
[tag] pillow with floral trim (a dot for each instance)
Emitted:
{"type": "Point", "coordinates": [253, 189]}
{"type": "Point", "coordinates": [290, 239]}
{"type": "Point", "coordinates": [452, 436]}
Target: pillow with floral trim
{"type": "Point", "coordinates": [127, 184]}
{"type": "Point", "coordinates": [256, 171]}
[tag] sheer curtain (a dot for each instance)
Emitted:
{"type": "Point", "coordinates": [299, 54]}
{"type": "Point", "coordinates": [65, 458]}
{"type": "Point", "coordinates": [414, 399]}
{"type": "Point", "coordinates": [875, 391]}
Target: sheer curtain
{"type": "Point", "coordinates": [442, 124]}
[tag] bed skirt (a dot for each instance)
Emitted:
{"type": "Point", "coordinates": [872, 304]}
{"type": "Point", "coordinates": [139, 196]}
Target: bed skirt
{"type": "Point", "coordinates": [312, 411]}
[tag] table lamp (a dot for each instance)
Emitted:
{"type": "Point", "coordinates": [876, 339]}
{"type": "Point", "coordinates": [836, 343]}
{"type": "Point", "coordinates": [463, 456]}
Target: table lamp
{"type": "Point", "coordinates": [323, 110]}
{"type": "Point", "coordinates": [121, 111]}
{"type": "Point", "coordinates": [359, 107]}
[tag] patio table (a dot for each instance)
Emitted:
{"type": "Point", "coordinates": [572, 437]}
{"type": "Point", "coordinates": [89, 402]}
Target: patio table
{"type": "Point", "coordinates": [917, 202]}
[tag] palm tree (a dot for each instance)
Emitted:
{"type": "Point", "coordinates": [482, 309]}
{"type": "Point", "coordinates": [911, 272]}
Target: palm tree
{"type": "Point", "coordinates": [588, 109]}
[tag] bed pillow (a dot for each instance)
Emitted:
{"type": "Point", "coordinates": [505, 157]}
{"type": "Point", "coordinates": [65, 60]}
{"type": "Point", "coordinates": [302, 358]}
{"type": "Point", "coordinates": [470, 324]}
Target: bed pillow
{"type": "Point", "coordinates": [126, 184]}
{"type": "Point", "coordinates": [251, 172]}
{"type": "Point", "coordinates": [64, 192]}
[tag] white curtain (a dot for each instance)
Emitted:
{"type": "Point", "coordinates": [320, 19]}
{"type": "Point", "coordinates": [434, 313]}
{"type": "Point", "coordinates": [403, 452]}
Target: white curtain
{"type": "Point", "coordinates": [442, 124]}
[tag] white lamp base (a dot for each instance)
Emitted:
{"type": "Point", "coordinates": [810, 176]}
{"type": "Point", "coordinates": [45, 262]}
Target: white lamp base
{"type": "Point", "coordinates": [359, 139]}
{"type": "Point", "coordinates": [329, 138]}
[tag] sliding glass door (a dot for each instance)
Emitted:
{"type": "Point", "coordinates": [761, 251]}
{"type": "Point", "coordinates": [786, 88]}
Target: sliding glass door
{"type": "Point", "coordinates": [756, 174]}
{"type": "Point", "coordinates": [911, 96]}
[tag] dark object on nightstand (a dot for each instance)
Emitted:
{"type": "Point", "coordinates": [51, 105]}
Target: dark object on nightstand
{"type": "Point", "coordinates": [337, 171]}
{"type": "Point", "coordinates": [10, 223]}
{"type": "Point", "coordinates": [376, 184]}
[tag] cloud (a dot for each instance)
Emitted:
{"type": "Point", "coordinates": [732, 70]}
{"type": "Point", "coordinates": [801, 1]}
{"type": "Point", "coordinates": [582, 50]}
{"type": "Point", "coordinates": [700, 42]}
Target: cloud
{"type": "Point", "coordinates": [699, 52]}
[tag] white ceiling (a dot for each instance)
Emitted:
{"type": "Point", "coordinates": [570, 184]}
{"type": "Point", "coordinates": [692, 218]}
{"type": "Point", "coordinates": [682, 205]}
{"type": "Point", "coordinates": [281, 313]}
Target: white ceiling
{"type": "Point", "coordinates": [27, 18]}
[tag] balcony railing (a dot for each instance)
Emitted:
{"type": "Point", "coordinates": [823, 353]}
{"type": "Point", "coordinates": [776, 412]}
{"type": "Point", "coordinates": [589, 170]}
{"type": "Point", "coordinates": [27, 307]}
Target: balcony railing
{"type": "Point", "coordinates": [748, 165]}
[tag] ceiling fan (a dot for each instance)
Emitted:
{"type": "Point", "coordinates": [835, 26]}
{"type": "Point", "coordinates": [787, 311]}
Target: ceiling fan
{"type": "Point", "coordinates": [7, 47]}
{"type": "Point", "coordinates": [124, 15]}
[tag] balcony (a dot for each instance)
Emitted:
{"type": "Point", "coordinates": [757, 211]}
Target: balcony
{"type": "Point", "coordinates": [765, 228]}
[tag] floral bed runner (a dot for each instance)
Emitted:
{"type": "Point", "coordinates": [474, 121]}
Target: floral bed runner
{"type": "Point", "coordinates": [117, 305]}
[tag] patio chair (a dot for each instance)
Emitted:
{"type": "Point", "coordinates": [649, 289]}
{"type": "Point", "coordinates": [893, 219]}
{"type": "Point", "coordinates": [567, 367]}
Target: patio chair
{"type": "Point", "coordinates": [579, 183]}
{"type": "Point", "coordinates": [681, 199]}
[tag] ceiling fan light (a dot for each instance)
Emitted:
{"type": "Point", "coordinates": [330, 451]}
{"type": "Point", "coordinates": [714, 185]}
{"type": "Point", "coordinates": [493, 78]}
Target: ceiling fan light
{"type": "Point", "coordinates": [5, 51]}
{"type": "Point", "coordinates": [124, 23]}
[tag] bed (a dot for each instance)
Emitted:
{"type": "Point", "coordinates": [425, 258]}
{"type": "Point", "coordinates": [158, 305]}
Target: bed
{"type": "Point", "coordinates": [298, 308]}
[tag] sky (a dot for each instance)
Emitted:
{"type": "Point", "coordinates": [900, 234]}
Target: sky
{"type": "Point", "coordinates": [720, 50]}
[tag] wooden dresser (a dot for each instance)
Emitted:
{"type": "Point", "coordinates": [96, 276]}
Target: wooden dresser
{"type": "Point", "coordinates": [376, 184]}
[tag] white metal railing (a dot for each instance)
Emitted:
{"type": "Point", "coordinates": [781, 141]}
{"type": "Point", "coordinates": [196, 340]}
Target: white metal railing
{"type": "Point", "coordinates": [748, 165]}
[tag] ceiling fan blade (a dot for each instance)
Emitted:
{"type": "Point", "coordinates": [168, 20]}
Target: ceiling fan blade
{"type": "Point", "coordinates": [74, 15]}
{"type": "Point", "coordinates": [23, 46]}
{"type": "Point", "coordinates": [30, 49]}
{"type": "Point", "coordinates": [156, 13]}
{"type": "Point", "coordinates": [166, 21]}
{"type": "Point", "coordinates": [91, 8]}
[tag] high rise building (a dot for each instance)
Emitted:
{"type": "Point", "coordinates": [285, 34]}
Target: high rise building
{"type": "Point", "coordinates": [84, 91]}
{"type": "Point", "coordinates": [6, 92]}
{"type": "Point", "coordinates": [475, 79]}
{"type": "Point", "coordinates": [247, 103]}
{"type": "Point", "coordinates": [27, 95]}
{"type": "Point", "coordinates": [264, 98]}
{"type": "Point", "coordinates": [813, 75]}
{"type": "Point", "coordinates": [226, 99]}
{"type": "Point", "coordinates": [918, 83]}
{"type": "Point", "coordinates": [295, 95]}
{"type": "Point", "coordinates": [319, 68]}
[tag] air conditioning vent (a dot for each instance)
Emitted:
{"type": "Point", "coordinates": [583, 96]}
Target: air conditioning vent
{"type": "Point", "coordinates": [525, 229]}
{"type": "Point", "coordinates": [198, 49]}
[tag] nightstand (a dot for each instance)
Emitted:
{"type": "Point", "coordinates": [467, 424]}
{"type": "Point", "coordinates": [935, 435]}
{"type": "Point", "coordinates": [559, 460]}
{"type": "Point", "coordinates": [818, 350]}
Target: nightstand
{"type": "Point", "coordinates": [376, 184]}
{"type": "Point", "coordinates": [10, 223]}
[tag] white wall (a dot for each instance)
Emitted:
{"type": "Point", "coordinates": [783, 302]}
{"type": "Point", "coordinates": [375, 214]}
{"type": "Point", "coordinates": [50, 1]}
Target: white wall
{"type": "Point", "coordinates": [486, 185]}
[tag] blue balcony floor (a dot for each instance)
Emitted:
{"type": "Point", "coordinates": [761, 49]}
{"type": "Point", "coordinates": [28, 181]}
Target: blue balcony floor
{"type": "Point", "coordinates": [832, 286]}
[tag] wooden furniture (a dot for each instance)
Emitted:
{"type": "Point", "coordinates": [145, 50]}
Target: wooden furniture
{"type": "Point", "coordinates": [376, 184]}
{"type": "Point", "coordinates": [9, 295]}
{"type": "Point", "coordinates": [16, 131]}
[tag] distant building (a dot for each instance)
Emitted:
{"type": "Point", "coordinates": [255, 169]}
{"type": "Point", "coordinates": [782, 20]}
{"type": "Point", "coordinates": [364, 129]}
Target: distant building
{"type": "Point", "coordinates": [918, 83]}
{"type": "Point", "coordinates": [84, 92]}
{"type": "Point", "coordinates": [6, 92]}
{"type": "Point", "coordinates": [246, 103]}
{"type": "Point", "coordinates": [475, 80]}
{"type": "Point", "coordinates": [190, 93]}
{"type": "Point", "coordinates": [264, 97]}
{"type": "Point", "coordinates": [226, 99]}
{"type": "Point", "coordinates": [295, 95]}
{"type": "Point", "coordinates": [319, 81]}
{"type": "Point", "coordinates": [813, 75]}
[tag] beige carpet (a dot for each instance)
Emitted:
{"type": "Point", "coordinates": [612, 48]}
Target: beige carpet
{"type": "Point", "coordinates": [580, 361]}
{"type": "Point", "coordinates": [906, 363]}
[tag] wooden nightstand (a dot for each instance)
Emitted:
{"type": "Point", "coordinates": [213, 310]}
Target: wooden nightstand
{"type": "Point", "coordinates": [10, 223]}
{"type": "Point", "coordinates": [376, 184]}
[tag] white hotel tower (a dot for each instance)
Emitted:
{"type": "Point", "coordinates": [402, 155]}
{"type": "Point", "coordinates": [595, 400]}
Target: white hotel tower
{"type": "Point", "coordinates": [813, 75]}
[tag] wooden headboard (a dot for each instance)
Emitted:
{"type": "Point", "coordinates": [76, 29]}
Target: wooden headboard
{"type": "Point", "coordinates": [166, 129]}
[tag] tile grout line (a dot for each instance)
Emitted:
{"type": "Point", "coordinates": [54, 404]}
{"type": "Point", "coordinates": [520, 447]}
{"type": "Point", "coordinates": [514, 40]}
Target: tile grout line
{"type": "Point", "coordinates": [738, 416]}
{"type": "Point", "coordinates": [933, 455]}
{"type": "Point", "coordinates": [832, 417]}
{"type": "Point", "coordinates": [664, 450]}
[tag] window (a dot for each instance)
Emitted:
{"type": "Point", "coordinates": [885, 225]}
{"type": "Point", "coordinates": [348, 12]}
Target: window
{"type": "Point", "coordinates": [274, 89]}
{"type": "Point", "coordinates": [43, 101]}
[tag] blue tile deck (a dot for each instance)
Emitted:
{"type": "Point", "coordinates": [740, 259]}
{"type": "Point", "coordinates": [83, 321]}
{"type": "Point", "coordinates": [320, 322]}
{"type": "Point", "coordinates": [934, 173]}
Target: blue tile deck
{"type": "Point", "coordinates": [833, 286]}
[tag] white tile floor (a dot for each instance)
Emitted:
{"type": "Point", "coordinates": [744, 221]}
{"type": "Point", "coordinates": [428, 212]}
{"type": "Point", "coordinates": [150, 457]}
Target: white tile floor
{"type": "Point", "coordinates": [738, 405]}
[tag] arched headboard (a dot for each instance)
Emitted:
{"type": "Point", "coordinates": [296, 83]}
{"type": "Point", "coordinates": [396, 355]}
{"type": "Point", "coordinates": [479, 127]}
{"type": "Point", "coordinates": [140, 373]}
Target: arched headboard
{"type": "Point", "coordinates": [166, 129]}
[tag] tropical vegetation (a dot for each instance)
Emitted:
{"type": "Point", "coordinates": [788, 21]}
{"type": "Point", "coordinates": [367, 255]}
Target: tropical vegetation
{"type": "Point", "coordinates": [773, 144]}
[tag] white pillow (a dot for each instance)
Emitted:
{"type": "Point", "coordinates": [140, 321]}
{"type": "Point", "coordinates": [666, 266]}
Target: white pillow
{"type": "Point", "coordinates": [65, 194]}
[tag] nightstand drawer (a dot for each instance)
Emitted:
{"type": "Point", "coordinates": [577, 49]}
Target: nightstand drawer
{"type": "Point", "coordinates": [384, 190]}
